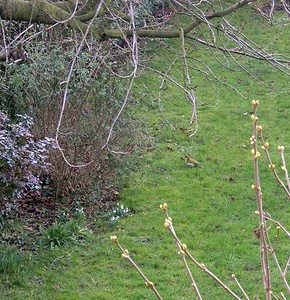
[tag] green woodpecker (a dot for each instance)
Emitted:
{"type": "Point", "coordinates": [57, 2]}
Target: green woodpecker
{"type": "Point", "coordinates": [191, 162]}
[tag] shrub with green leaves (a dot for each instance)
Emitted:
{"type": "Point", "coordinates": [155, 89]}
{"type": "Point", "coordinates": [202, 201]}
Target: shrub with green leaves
{"type": "Point", "coordinates": [94, 98]}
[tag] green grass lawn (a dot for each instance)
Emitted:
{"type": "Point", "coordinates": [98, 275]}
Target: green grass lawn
{"type": "Point", "coordinates": [213, 207]}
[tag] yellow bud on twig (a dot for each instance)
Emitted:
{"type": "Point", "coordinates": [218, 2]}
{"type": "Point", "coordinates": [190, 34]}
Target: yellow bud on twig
{"type": "Point", "coordinates": [183, 247]}
{"type": "Point", "coordinates": [125, 255]}
{"type": "Point", "coordinates": [163, 206]}
{"type": "Point", "coordinates": [167, 223]}
{"type": "Point", "coordinates": [258, 154]}
{"type": "Point", "coordinates": [252, 139]}
{"type": "Point", "coordinates": [149, 283]}
{"type": "Point", "coordinates": [259, 128]}
{"type": "Point", "coordinates": [253, 187]}
{"type": "Point", "coordinates": [181, 252]}
{"type": "Point", "coordinates": [281, 148]}
{"type": "Point", "coordinates": [255, 103]}
{"type": "Point", "coordinates": [114, 239]}
{"type": "Point", "coordinates": [272, 166]}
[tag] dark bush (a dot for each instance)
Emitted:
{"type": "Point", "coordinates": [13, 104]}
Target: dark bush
{"type": "Point", "coordinates": [94, 97]}
{"type": "Point", "coordinates": [22, 158]}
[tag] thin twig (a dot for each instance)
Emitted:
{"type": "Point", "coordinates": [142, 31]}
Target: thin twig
{"type": "Point", "coordinates": [193, 283]}
{"type": "Point", "coordinates": [135, 61]}
{"type": "Point", "coordinates": [240, 287]}
{"type": "Point", "coordinates": [284, 167]}
{"type": "Point", "coordinates": [267, 217]}
{"type": "Point", "coordinates": [272, 166]}
{"type": "Point", "coordinates": [274, 256]}
{"type": "Point", "coordinates": [262, 221]}
{"type": "Point", "coordinates": [188, 81]}
{"type": "Point", "coordinates": [161, 87]}
{"type": "Point", "coordinates": [169, 225]}
{"type": "Point", "coordinates": [237, 51]}
{"type": "Point", "coordinates": [126, 255]}
{"type": "Point", "coordinates": [66, 82]}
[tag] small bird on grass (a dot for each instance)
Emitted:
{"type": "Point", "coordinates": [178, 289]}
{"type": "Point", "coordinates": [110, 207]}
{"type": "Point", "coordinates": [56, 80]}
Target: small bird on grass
{"type": "Point", "coordinates": [191, 162]}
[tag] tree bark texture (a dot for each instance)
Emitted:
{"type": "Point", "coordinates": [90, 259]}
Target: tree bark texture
{"type": "Point", "coordinates": [47, 12]}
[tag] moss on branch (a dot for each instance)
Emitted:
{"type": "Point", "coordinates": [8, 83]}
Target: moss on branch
{"type": "Point", "coordinates": [50, 13]}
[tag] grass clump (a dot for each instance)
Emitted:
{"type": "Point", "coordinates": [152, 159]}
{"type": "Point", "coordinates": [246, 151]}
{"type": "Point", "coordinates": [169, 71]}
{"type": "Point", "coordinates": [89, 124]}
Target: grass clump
{"type": "Point", "coordinates": [10, 260]}
{"type": "Point", "coordinates": [64, 234]}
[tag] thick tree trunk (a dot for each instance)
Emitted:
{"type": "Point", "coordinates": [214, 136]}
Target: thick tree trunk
{"type": "Point", "coordinates": [47, 12]}
{"type": "Point", "coordinates": [21, 10]}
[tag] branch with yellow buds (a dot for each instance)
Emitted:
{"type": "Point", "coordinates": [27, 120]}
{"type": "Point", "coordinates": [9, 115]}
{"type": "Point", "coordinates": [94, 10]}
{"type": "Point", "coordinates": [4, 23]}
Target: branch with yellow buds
{"type": "Point", "coordinates": [265, 146]}
{"type": "Point", "coordinates": [284, 168]}
{"type": "Point", "coordinates": [263, 245]}
{"type": "Point", "coordinates": [265, 241]}
{"type": "Point", "coordinates": [163, 206]}
{"type": "Point", "coordinates": [255, 103]}
{"type": "Point", "coordinates": [126, 255]}
{"type": "Point", "coordinates": [183, 252]}
{"type": "Point", "coordinates": [266, 247]}
{"type": "Point", "coordinates": [275, 258]}
{"type": "Point", "coordinates": [278, 224]}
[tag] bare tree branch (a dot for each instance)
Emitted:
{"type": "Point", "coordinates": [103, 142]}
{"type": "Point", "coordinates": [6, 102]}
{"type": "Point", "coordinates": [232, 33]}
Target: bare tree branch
{"type": "Point", "coordinates": [80, 47]}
